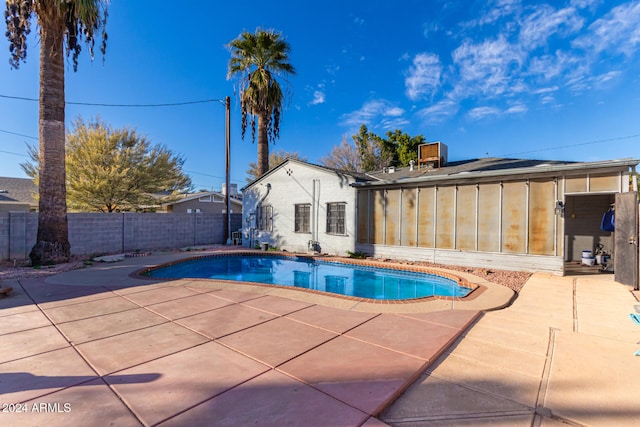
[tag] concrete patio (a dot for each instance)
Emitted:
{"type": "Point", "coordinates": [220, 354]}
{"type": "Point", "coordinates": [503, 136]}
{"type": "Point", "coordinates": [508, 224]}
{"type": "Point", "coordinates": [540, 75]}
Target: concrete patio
{"type": "Point", "coordinates": [97, 347]}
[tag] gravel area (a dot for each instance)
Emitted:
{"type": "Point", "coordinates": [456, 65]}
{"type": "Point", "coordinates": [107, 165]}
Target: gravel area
{"type": "Point", "coordinates": [23, 270]}
{"type": "Point", "coordinates": [512, 279]}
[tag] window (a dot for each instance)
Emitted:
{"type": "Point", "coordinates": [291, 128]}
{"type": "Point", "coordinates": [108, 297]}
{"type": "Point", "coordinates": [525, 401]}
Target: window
{"type": "Point", "coordinates": [335, 218]}
{"type": "Point", "coordinates": [303, 218]}
{"type": "Point", "coordinates": [265, 218]}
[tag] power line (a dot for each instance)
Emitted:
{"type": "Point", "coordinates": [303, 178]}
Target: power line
{"type": "Point", "coordinates": [15, 154]}
{"type": "Point", "coordinates": [19, 134]}
{"type": "Point", "coordinates": [574, 145]}
{"type": "Point", "coordinates": [100, 104]}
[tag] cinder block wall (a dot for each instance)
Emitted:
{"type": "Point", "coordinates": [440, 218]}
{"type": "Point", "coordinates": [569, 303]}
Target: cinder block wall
{"type": "Point", "coordinates": [104, 233]}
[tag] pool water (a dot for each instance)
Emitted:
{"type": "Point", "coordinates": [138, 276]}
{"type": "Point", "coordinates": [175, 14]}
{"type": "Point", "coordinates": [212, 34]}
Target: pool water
{"type": "Point", "coordinates": [333, 277]}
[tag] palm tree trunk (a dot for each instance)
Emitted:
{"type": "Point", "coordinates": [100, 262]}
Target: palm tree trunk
{"type": "Point", "coordinates": [52, 243]}
{"type": "Point", "coordinates": [263, 144]}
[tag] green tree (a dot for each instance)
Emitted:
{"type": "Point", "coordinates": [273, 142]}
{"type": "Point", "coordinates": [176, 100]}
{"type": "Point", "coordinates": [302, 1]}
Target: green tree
{"type": "Point", "coordinates": [343, 157]}
{"type": "Point", "coordinates": [406, 146]}
{"type": "Point", "coordinates": [115, 169]}
{"type": "Point", "coordinates": [370, 152]}
{"type": "Point", "coordinates": [257, 59]}
{"type": "Point", "coordinates": [375, 152]}
{"type": "Point", "coordinates": [275, 158]}
{"type": "Point", "coordinates": [62, 25]}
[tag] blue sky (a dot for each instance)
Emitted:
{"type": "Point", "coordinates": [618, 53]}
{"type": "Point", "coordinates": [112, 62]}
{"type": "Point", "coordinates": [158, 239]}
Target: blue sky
{"type": "Point", "coordinates": [503, 78]}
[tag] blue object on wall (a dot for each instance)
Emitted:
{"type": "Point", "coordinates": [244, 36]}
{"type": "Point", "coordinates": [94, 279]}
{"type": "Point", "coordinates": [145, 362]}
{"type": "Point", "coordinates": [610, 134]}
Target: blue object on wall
{"type": "Point", "coordinates": [608, 221]}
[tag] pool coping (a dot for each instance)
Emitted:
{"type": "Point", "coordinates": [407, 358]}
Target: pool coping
{"type": "Point", "coordinates": [484, 295]}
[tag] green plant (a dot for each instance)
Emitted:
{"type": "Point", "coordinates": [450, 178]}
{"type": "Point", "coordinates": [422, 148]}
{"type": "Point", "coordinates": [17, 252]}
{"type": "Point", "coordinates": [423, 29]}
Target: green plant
{"type": "Point", "coordinates": [356, 254]}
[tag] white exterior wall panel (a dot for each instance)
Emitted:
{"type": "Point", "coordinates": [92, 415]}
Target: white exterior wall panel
{"type": "Point", "coordinates": [296, 183]}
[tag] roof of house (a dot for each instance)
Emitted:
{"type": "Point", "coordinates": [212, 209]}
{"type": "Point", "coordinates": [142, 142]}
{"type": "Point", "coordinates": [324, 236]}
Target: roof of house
{"type": "Point", "coordinates": [17, 190]}
{"type": "Point", "coordinates": [357, 176]}
{"type": "Point", "coordinates": [464, 169]}
{"type": "Point", "coordinates": [489, 168]}
{"type": "Point", "coordinates": [193, 196]}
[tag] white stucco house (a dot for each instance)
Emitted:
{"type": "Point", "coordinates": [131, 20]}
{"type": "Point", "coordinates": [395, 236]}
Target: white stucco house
{"type": "Point", "coordinates": [300, 207]}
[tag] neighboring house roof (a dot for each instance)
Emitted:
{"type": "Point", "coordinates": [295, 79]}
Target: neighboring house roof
{"type": "Point", "coordinates": [357, 176]}
{"type": "Point", "coordinates": [194, 196]}
{"type": "Point", "coordinates": [18, 190]}
{"type": "Point", "coordinates": [488, 167]}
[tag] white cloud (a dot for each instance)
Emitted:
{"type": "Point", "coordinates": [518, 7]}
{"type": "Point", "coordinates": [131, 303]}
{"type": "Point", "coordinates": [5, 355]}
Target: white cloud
{"type": "Point", "coordinates": [480, 113]}
{"type": "Point", "coordinates": [605, 77]}
{"type": "Point", "coordinates": [423, 76]}
{"type": "Point", "coordinates": [550, 66]}
{"type": "Point", "coordinates": [498, 10]}
{"type": "Point", "coordinates": [318, 98]}
{"type": "Point", "coordinates": [545, 90]}
{"type": "Point", "coordinates": [486, 67]}
{"type": "Point", "coordinates": [537, 27]}
{"type": "Point", "coordinates": [513, 58]}
{"type": "Point", "coordinates": [439, 112]}
{"type": "Point", "coordinates": [394, 112]}
{"type": "Point", "coordinates": [584, 4]}
{"type": "Point", "coordinates": [517, 109]}
{"type": "Point", "coordinates": [396, 123]}
{"type": "Point", "coordinates": [378, 112]}
{"type": "Point", "coordinates": [332, 69]}
{"type": "Point", "coordinates": [547, 99]}
{"type": "Point", "coordinates": [618, 30]}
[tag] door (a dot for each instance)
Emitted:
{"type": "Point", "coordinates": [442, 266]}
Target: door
{"type": "Point", "coordinates": [625, 257]}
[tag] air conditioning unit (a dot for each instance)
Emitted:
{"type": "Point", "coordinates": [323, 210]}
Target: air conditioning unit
{"type": "Point", "coordinates": [432, 155]}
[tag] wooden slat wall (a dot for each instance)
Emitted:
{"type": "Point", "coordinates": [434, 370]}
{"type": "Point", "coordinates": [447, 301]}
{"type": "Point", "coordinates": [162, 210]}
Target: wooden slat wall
{"type": "Point", "coordinates": [515, 217]}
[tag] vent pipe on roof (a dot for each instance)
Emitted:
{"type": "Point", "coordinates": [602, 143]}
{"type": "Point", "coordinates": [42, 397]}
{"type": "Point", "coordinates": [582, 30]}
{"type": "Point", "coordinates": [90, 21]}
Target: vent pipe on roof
{"type": "Point", "coordinates": [411, 165]}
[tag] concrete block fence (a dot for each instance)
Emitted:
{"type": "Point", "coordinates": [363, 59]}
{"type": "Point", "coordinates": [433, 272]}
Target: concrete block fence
{"type": "Point", "coordinates": [104, 233]}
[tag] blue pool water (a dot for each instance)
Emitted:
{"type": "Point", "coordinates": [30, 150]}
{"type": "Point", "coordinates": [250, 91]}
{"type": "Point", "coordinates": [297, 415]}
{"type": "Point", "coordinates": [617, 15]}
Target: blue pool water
{"type": "Point", "coordinates": [299, 272]}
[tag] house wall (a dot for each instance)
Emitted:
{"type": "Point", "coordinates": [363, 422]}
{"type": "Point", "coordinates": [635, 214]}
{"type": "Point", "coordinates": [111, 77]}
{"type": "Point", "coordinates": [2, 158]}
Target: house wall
{"type": "Point", "coordinates": [14, 207]}
{"type": "Point", "coordinates": [100, 233]}
{"type": "Point", "coordinates": [293, 184]}
{"type": "Point", "coordinates": [503, 224]}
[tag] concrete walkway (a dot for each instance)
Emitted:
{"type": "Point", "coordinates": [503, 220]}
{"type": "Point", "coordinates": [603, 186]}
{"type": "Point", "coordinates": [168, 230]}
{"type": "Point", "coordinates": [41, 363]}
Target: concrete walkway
{"type": "Point", "coordinates": [563, 353]}
{"type": "Point", "coordinates": [97, 347]}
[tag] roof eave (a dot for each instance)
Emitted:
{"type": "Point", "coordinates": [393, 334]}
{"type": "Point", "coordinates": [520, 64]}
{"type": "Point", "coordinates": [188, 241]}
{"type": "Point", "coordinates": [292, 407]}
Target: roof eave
{"type": "Point", "coordinates": [528, 171]}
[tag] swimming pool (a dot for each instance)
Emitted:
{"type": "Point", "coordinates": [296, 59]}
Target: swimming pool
{"type": "Point", "coordinates": [314, 274]}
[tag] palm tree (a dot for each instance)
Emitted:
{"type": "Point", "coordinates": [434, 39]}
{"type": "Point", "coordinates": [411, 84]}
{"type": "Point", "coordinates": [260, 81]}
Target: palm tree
{"type": "Point", "coordinates": [62, 24]}
{"type": "Point", "coordinates": [258, 59]}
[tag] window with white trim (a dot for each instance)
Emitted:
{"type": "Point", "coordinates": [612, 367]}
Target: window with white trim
{"type": "Point", "coordinates": [336, 218]}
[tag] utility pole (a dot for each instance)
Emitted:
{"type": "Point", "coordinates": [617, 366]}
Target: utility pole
{"type": "Point", "coordinates": [228, 150]}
